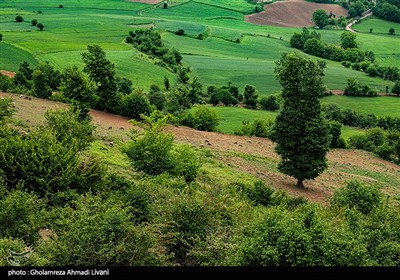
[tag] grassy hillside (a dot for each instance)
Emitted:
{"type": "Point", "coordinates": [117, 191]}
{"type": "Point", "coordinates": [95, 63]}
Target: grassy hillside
{"type": "Point", "coordinates": [216, 60]}
{"type": "Point", "coordinates": [380, 106]}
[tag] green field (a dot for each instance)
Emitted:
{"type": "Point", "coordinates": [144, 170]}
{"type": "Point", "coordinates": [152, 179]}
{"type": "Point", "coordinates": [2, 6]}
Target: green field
{"type": "Point", "coordinates": [379, 106]}
{"type": "Point", "coordinates": [231, 118]}
{"type": "Point", "coordinates": [216, 60]}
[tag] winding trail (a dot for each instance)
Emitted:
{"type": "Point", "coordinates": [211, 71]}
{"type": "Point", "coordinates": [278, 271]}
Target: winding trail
{"type": "Point", "coordinates": [367, 13]}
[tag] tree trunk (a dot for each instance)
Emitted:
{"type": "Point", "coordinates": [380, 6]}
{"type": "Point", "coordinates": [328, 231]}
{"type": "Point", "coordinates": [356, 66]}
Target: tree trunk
{"type": "Point", "coordinates": [300, 184]}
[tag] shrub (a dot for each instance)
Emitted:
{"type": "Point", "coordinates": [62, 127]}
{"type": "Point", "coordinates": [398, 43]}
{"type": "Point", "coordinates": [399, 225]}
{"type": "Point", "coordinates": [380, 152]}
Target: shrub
{"type": "Point", "coordinates": [385, 151]}
{"type": "Point", "coordinates": [68, 128]}
{"type": "Point", "coordinates": [396, 88]}
{"type": "Point", "coordinates": [149, 152]}
{"type": "Point", "coordinates": [7, 109]}
{"type": "Point", "coordinates": [375, 135]}
{"type": "Point", "coordinates": [19, 18]}
{"type": "Point", "coordinates": [358, 196]}
{"type": "Point", "coordinates": [40, 26]}
{"type": "Point", "coordinates": [260, 194]}
{"type": "Point", "coordinates": [134, 104]}
{"type": "Point", "coordinates": [360, 142]}
{"type": "Point", "coordinates": [185, 162]}
{"type": "Point", "coordinates": [14, 252]}
{"type": "Point", "coordinates": [41, 87]}
{"type": "Point", "coordinates": [391, 31]}
{"type": "Point", "coordinates": [34, 22]}
{"type": "Point", "coordinates": [201, 118]}
{"type": "Point", "coordinates": [20, 216]}
{"type": "Point", "coordinates": [269, 103]}
{"type": "Point", "coordinates": [191, 222]}
{"type": "Point", "coordinates": [180, 32]}
{"type": "Point", "coordinates": [98, 232]}
{"type": "Point", "coordinates": [45, 165]}
{"type": "Point", "coordinates": [258, 128]}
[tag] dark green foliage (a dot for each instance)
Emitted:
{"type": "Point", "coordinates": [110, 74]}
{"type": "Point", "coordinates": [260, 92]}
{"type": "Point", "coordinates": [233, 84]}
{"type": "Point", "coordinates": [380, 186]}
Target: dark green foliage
{"type": "Point", "coordinates": [348, 40]}
{"type": "Point", "coordinates": [149, 42]}
{"type": "Point", "coordinates": [269, 103]}
{"type": "Point", "coordinates": [7, 109]}
{"type": "Point", "coordinates": [75, 85]}
{"type": "Point", "coordinates": [9, 248]}
{"type": "Point", "coordinates": [201, 118]}
{"type": "Point", "coordinates": [180, 32]}
{"type": "Point", "coordinates": [299, 39]}
{"type": "Point", "coordinates": [40, 86]}
{"type": "Point", "coordinates": [21, 216]}
{"type": "Point", "coordinates": [332, 112]}
{"type": "Point", "coordinates": [260, 194]}
{"type": "Point", "coordinates": [23, 76]}
{"type": "Point", "coordinates": [391, 31]}
{"type": "Point", "coordinates": [335, 131]}
{"type": "Point", "coordinates": [38, 160]}
{"type": "Point", "coordinates": [301, 134]}
{"type": "Point", "coordinates": [355, 88]}
{"type": "Point", "coordinates": [227, 95]}
{"type": "Point", "coordinates": [320, 18]}
{"type": "Point", "coordinates": [102, 72]}
{"type": "Point", "coordinates": [102, 235]}
{"type": "Point", "coordinates": [360, 142]}
{"type": "Point", "coordinates": [388, 10]}
{"type": "Point", "coordinates": [250, 96]}
{"type": "Point", "coordinates": [124, 85]}
{"type": "Point", "coordinates": [5, 82]}
{"type": "Point", "coordinates": [167, 84]}
{"type": "Point", "coordinates": [396, 88]}
{"type": "Point", "coordinates": [259, 128]}
{"type": "Point", "coordinates": [358, 196]}
{"type": "Point", "coordinates": [385, 151]}
{"type": "Point", "coordinates": [34, 22]}
{"type": "Point", "coordinates": [157, 97]}
{"type": "Point", "coordinates": [69, 128]}
{"type": "Point", "coordinates": [40, 26]}
{"type": "Point", "coordinates": [356, 9]}
{"type": "Point", "coordinates": [19, 18]}
{"type": "Point", "coordinates": [191, 220]}
{"type": "Point", "coordinates": [135, 104]}
{"type": "Point", "coordinates": [1, 37]}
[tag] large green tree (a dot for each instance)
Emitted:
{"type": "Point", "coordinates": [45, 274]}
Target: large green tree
{"type": "Point", "coordinates": [102, 72]}
{"type": "Point", "coordinates": [320, 18]}
{"type": "Point", "coordinates": [301, 134]}
{"type": "Point", "coordinates": [76, 85]}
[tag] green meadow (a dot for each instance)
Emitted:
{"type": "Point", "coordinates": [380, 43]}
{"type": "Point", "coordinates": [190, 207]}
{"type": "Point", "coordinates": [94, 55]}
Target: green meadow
{"type": "Point", "coordinates": [379, 106]}
{"type": "Point", "coordinates": [233, 50]}
{"type": "Point", "coordinates": [231, 119]}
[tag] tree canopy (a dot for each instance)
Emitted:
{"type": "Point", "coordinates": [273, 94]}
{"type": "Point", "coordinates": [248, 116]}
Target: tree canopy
{"type": "Point", "coordinates": [300, 131]}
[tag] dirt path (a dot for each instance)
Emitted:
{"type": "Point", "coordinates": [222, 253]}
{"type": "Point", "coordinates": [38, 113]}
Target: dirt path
{"type": "Point", "coordinates": [7, 73]}
{"type": "Point", "coordinates": [251, 155]}
{"type": "Point", "coordinates": [349, 26]}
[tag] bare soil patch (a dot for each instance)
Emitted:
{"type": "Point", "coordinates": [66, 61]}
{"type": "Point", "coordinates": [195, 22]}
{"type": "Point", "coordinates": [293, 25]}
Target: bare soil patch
{"type": "Point", "coordinates": [251, 155]}
{"type": "Point", "coordinates": [292, 13]}
{"type": "Point", "coordinates": [7, 73]}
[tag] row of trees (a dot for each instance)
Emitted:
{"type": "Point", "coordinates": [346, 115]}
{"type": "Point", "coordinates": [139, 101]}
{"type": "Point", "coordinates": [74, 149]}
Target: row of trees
{"type": "Point", "coordinates": [348, 53]}
{"type": "Point", "coordinates": [34, 22]}
{"type": "Point", "coordinates": [310, 43]}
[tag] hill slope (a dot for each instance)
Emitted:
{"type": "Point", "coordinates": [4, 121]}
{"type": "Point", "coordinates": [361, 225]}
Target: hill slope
{"type": "Point", "coordinates": [252, 155]}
